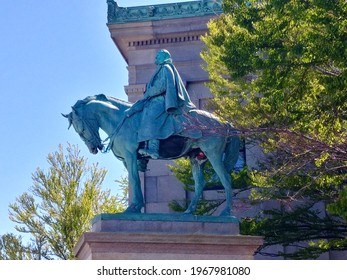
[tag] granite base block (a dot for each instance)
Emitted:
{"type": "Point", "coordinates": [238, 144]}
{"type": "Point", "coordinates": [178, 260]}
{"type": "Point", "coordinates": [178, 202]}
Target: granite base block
{"type": "Point", "coordinates": [151, 246]}
{"type": "Point", "coordinates": [165, 223]}
{"type": "Point", "coordinates": [164, 237]}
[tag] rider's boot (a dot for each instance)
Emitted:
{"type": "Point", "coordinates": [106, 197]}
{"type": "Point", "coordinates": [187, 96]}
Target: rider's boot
{"type": "Point", "coordinates": [152, 149]}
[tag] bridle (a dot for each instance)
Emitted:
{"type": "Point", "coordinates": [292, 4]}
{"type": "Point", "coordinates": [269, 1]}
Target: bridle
{"type": "Point", "coordinates": [94, 138]}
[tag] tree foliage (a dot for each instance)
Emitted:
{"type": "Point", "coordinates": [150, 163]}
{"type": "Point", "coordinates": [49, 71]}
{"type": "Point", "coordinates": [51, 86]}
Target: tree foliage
{"type": "Point", "coordinates": [278, 72]}
{"type": "Point", "coordinates": [61, 203]}
{"type": "Point", "coordinates": [12, 248]}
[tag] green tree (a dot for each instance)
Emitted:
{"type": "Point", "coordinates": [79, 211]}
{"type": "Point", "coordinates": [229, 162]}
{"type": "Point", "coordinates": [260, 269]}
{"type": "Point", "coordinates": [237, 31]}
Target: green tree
{"type": "Point", "coordinates": [12, 248]}
{"type": "Point", "coordinates": [61, 204]}
{"type": "Point", "coordinates": [278, 72]}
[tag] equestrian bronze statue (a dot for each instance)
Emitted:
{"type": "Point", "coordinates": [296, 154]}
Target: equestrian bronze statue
{"type": "Point", "coordinates": [165, 124]}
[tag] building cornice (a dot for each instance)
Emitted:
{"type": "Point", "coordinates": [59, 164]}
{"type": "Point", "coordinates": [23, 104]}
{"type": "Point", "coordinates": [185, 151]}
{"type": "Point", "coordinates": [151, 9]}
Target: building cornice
{"type": "Point", "coordinates": [117, 15]}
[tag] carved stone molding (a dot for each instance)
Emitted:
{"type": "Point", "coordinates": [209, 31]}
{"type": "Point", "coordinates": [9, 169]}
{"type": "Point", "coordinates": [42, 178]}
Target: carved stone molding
{"type": "Point", "coordinates": [172, 40]}
{"type": "Point", "coordinates": [118, 14]}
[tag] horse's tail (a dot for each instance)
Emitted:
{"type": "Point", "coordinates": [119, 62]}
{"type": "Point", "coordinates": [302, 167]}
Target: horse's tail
{"type": "Point", "coordinates": [232, 151]}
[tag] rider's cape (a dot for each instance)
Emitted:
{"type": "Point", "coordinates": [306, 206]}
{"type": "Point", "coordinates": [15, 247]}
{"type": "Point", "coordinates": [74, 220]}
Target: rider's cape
{"type": "Point", "coordinates": [166, 99]}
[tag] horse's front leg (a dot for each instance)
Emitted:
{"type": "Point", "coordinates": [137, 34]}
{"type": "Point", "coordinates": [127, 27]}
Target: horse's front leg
{"type": "Point", "coordinates": [199, 181]}
{"type": "Point", "coordinates": [136, 203]}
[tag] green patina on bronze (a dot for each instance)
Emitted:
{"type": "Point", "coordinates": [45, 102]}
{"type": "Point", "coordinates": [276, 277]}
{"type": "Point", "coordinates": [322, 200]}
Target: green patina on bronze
{"type": "Point", "coordinates": [116, 14]}
{"type": "Point", "coordinates": [164, 217]}
{"type": "Point", "coordinates": [219, 142]}
{"type": "Point", "coordinates": [164, 124]}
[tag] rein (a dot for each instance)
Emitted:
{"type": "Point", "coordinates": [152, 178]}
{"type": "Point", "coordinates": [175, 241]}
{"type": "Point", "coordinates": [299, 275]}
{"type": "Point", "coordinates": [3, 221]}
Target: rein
{"type": "Point", "coordinates": [135, 108]}
{"type": "Point", "coordinates": [115, 132]}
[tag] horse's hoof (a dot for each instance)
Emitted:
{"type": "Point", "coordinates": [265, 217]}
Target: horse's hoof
{"type": "Point", "coordinates": [188, 211]}
{"type": "Point", "coordinates": [133, 209]}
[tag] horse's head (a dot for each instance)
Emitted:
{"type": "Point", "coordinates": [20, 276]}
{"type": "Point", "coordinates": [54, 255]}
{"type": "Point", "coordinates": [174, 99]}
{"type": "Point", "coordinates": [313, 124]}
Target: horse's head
{"type": "Point", "coordinates": [87, 128]}
{"type": "Point", "coordinates": [94, 112]}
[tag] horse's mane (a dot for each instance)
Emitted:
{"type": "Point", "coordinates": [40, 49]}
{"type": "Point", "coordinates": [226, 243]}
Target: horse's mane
{"type": "Point", "coordinates": [121, 104]}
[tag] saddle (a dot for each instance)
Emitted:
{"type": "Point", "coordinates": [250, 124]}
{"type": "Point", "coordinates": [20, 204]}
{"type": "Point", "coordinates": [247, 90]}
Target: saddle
{"type": "Point", "coordinates": [171, 148]}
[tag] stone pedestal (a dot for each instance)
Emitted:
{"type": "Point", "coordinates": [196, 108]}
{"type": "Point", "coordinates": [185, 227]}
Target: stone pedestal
{"type": "Point", "coordinates": [164, 237]}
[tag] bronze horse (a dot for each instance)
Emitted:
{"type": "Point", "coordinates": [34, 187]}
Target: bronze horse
{"type": "Point", "coordinates": [203, 133]}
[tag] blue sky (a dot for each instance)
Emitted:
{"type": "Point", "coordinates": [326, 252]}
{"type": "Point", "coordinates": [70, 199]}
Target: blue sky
{"type": "Point", "coordinates": [52, 53]}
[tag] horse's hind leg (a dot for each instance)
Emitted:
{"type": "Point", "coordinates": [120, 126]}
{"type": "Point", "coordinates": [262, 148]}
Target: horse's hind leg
{"type": "Point", "coordinates": [198, 176]}
{"type": "Point", "coordinates": [217, 163]}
